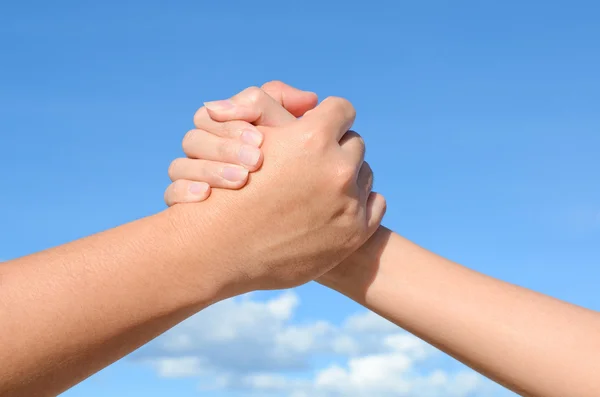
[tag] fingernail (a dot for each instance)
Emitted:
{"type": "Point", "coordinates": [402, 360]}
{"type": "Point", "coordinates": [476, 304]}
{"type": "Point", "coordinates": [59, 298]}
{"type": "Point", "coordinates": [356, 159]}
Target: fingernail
{"type": "Point", "coordinates": [249, 155]}
{"type": "Point", "coordinates": [219, 106]}
{"type": "Point", "coordinates": [252, 137]}
{"type": "Point", "coordinates": [198, 188]}
{"type": "Point", "coordinates": [234, 174]}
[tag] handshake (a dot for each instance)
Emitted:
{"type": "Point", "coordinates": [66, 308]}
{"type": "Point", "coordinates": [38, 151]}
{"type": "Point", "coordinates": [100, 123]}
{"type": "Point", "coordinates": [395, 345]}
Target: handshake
{"type": "Point", "coordinates": [308, 203]}
{"type": "Point", "coordinates": [274, 193]}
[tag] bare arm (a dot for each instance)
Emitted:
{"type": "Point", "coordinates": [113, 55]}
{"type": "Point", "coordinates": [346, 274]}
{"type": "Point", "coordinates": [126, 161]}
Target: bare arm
{"type": "Point", "coordinates": [72, 310]}
{"type": "Point", "coordinates": [68, 312]}
{"type": "Point", "coordinates": [531, 343]}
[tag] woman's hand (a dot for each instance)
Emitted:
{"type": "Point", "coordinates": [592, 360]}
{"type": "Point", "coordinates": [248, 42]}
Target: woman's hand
{"type": "Point", "coordinates": [221, 154]}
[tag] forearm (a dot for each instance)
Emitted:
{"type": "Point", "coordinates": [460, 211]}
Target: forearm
{"type": "Point", "coordinates": [531, 343]}
{"type": "Point", "coordinates": [72, 310]}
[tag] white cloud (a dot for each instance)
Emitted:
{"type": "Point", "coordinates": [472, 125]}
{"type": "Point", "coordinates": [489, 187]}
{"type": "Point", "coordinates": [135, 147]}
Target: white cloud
{"type": "Point", "coordinates": [243, 336]}
{"type": "Point", "coordinates": [369, 322]}
{"type": "Point", "coordinates": [393, 375]}
{"type": "Point", "coordinates": [180, 367]}
{"type": "Point", "coordinates": [254, 347]}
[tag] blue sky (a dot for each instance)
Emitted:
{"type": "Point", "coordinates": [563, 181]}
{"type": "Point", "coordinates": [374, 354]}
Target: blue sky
{"type": "Point", "coordinates": [482, 125]}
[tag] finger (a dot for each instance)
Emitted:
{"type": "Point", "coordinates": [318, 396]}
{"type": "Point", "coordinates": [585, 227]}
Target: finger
{"type": "Point", "coordinates": [216, 174]}
{"type": "Point", "coordinates": [200, 144]}
{"type": "Point", "coordinates": [252, 105]}
{"type": "Point", "coordinates": [183, 191]}
{"type": "Point", "coordinates": [295, 101]}
{"type": "Point", "coordinates": [353, 145]}
{"type": "Point", "coordinates": [365, 181]}
{"type": "Point", "coordinates": [334, 116]}
{"type": "Point", "coordinates": [376, 208]}
{"type": "Point", "coordinates": [242, 130]}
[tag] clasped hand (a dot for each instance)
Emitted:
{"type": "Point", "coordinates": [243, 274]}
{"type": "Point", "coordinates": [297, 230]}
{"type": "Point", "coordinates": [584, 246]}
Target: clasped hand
{"type": "Point", "coordinates": [309, 203]}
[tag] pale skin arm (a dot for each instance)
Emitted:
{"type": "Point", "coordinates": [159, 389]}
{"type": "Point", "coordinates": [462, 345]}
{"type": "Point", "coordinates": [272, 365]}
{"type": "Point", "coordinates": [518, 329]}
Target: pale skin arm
{"type": "Point", "coordinates": [531, 343]}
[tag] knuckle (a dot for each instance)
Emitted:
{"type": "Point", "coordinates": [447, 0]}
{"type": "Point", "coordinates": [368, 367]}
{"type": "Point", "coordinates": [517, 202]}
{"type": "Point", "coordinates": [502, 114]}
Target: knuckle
{"type": "Point", "coordinates": [200, 169]}
{"type": "Point", "coordinates": [200, 115]}
{"type": "Point", "coordinates": [370, 181]}
{"type": "Point", "coordinates": [342, 105]}
{"type": "Point", "coordinates": [362, 149]}
{"type": "Point", "coordinates": [222, 129]}
{"type": "Point", "coordinates": [383, 204]}
{"type": "Point", "coordinates": [366, 169]}
{"type": "Point", "coordinates": [174, 192]}
{"type": "Point", "coordinates": [253, 94]}
{"type": "Point", "coordinates": [235, 128]}
{"type": "Point", "coordinates": [360, 141]}
{"type": "Point", "coordinates": [173, 167]}
{"type": "Point", "coordinates": [167, 196]}
{"type": "Point", "coordinates": [273, 85]}
{"type": "Point", "coordinates": [188, 140]}
{"type": "Point", "coordinates": [178, 188]}
{"type": "Point", "coordinates": [346, 174]}
{"type": "Point", "coordinates": [226, 149]}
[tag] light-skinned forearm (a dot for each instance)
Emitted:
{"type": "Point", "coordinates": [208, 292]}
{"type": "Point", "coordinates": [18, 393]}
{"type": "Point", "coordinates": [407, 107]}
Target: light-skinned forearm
{"type": "Point", "coordinates": [70, 311]}
{"type": "Point", "coordinates": [531, 343]}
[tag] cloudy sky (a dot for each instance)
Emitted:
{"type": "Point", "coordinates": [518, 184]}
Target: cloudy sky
{"type": "Point", "coordinates": [482, 126]}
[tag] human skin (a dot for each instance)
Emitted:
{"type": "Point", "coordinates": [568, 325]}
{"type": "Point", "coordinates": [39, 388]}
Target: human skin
{"type": "Point", "coordinates": [531, 343]}
{"type": "Point", "coordinates": [224, 157]}
{"type": "Point", "coordinates": [70, 311]}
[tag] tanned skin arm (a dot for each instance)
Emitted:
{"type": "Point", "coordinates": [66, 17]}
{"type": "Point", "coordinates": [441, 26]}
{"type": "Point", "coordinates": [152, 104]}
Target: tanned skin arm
{"type": "Point", "coordinates": [69, 311]}
{"type": "Point", "coordinates": [72, 310]}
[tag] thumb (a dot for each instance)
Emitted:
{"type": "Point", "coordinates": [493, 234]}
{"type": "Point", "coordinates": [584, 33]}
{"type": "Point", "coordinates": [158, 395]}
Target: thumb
{"type": "Point", "coordinates": [273, 105]}
{"type": "Point", "coordinates": [295, 101]}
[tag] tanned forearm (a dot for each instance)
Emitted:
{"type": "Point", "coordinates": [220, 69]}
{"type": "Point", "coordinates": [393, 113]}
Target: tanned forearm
{"type": "Point", "coordinates": [70, 311]}
{"type": "Point", "coordinates": [531, 343]}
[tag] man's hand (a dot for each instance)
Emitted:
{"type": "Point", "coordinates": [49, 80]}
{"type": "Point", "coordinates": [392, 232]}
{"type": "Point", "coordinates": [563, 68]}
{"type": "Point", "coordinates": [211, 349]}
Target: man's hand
{"type": "Point", "coordinates": [220, 154]}
{"type": "Point", "coordinates": [310, 205]}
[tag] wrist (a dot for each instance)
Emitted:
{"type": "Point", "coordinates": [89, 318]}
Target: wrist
{"type": "Point", "coordinates": [356, 274]}
{"type": "Point", "coordinates": [209, 268]}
